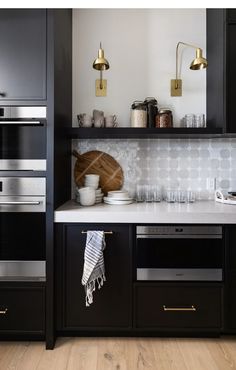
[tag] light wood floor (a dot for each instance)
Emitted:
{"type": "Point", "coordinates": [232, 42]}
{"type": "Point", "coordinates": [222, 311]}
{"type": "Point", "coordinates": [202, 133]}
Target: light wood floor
{"type": "Point", "coordinates": [121, 354]}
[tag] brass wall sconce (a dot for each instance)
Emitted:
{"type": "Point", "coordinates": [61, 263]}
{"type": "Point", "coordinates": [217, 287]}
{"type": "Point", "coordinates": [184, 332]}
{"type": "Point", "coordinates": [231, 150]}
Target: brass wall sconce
{"type": "Point", "coordinates": [198, 63]}
{"type": "Point", "coordinates": [101, 64]}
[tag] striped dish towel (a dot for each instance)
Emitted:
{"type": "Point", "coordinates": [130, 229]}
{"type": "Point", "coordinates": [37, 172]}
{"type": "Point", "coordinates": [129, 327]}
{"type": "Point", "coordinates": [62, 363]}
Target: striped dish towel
{"type": "Point", "coordinates": [94, 268]}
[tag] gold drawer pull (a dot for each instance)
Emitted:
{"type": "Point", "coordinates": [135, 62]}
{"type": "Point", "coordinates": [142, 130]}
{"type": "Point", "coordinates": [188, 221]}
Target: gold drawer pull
{"type": "Point", "coordinates": [191, 308]}
{"type": "Point", "coordinates": [3, 312]}
{"type": "Point", "coordinates": [105, 232]}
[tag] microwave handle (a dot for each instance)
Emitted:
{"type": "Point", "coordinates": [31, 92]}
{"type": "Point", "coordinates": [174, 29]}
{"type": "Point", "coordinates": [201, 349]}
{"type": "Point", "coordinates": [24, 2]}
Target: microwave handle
{"type": "Point", "coordinates": [178, 236]}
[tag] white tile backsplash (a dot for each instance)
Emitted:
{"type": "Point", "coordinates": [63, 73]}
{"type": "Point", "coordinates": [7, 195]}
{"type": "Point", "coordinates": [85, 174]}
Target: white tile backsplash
{"type": "Point", "coordinates": [182, 163]}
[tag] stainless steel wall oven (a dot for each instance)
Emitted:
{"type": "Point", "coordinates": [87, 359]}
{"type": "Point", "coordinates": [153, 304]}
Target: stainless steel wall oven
{"type": "Point", "coordinates": [22, 228]}
{"type": "Point", "coordinates": [179, 253]}
{"type": "Point", "coordinates": [22, 138]}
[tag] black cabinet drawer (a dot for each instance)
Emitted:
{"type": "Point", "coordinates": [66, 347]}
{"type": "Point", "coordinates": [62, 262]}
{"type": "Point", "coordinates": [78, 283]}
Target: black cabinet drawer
{"type": "Point", "coordinates": [177, 307]}
{"type": "Point", "coordinates": [22, 310]}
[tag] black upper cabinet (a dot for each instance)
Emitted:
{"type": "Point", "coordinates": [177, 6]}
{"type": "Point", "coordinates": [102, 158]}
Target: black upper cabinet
{"type": "Point", "coordinates": [221, 73]}
{"type": "Point", "coordinates": [23, 59]}
{"type": "Point", "coordinates": [231, 15]}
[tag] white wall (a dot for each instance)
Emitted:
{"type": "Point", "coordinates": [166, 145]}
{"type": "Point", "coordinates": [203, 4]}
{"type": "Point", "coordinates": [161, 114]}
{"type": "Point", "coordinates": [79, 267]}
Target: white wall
{"type": "Point", "coordinates": [140, 47]}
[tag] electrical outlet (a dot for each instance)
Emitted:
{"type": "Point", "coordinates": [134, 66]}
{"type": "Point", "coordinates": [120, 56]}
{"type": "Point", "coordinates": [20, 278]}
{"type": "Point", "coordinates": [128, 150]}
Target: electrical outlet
{"type": "Point", "coordinates": [211, 183]}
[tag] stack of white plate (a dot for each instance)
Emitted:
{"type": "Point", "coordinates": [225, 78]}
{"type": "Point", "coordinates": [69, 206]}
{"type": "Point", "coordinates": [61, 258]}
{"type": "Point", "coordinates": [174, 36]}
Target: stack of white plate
{"type": "Point", "coordinates": [99, 195]}
{"type": "Point", "coordinates": [118, 197]}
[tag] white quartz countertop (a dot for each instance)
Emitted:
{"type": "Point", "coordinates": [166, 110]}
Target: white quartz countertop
{"type": "Point", "coordinates": [200, 212]}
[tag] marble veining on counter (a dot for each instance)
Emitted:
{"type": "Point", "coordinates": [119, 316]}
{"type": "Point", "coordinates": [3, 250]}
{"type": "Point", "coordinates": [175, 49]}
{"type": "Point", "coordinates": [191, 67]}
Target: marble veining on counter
{"type": "Point", "coordinates": [201, 212]}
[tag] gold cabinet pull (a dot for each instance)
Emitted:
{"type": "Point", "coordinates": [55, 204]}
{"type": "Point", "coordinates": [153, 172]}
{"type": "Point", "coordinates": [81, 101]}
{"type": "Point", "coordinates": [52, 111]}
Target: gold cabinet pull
{"type": "Point", "coordinates": [105, 232]}
{"type": "Point", "coordinates": [3, 312]}
{"type": "Point", "coordinates": [191, 308]}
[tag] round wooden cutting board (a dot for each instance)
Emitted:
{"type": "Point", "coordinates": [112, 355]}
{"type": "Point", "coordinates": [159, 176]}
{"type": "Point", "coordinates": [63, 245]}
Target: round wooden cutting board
{"type": "Point", "coordinates": [102, 164]}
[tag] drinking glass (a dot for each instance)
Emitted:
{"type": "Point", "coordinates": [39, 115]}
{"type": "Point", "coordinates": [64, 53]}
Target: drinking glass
{"type": "Point", "coordinates": [156, 190]}
{"type": "Point", "coordinates": [189, 120]}
{"type": "Point", "coordinates": [190, 196]}
{"type": "Point", "coordinates": [148, 193]}
{"type": "Point", "coordinates": [199, 120]}
{"type": "Point", "coordinates": [181, 196]}
{"type": "Point", "coordinates": [170, 196]}
{"type": "Point", "coordinates": [140, 195]}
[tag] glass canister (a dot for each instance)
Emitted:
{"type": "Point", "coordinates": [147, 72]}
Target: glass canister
{"type": "Point", "coordinates": [164, 118]}
{"type": "Point", "coordinates": [138, 114]}
{"type": "Point", "coordinates": [152, 111]}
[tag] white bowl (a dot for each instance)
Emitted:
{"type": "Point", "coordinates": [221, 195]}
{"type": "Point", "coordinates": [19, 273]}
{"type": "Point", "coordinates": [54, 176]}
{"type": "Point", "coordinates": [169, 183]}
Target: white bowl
{"type": "Point", "coordinates": [118, 194]}
{"type": "Point", "coordinates": [92, 177]}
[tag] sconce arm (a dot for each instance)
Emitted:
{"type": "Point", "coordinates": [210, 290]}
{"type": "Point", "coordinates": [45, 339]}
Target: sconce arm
{"type": "Point", "coordinates": [177, 56]}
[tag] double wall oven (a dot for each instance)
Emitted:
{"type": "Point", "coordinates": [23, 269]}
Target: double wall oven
{"type": "Point", "coordinates": [22, 193]}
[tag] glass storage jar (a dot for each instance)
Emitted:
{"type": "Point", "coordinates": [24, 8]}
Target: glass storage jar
{"type": "Point", "coordinates": [138, 114]}
{"type": "Point", "coordinates": [164, 118]}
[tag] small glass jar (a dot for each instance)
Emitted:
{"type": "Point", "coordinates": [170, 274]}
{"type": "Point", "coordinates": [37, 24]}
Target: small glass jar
{"type": "Point", "coordinates": [138, 114]}
{"type": "Point", "coordinates": [164, 118]}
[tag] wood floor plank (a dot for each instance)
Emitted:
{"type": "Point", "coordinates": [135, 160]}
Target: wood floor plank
{"type": "Point", "coordinates": [221, 354]}
{"type": "Point", "coordinates": [83, 354]}
{"type": "Point", "coordinates": [13, 355]}
{"type": "Point", "coordinates": [167, 354]}
{"type": "Point", "coordinates": [32, 356]}
{"type": "Point", "coordinates": [140, 354]}
{"type": "Point", "coordinates": [196, 354]}
{"type": "Point", "coordinates": [58, 358]}
{"type": "Point", "coordinates": [111, 354]}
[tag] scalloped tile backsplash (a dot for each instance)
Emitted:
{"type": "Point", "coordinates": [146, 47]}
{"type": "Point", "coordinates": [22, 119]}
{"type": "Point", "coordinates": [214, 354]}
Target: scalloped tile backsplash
{"type": "Point", "coordinates": [183, 163]}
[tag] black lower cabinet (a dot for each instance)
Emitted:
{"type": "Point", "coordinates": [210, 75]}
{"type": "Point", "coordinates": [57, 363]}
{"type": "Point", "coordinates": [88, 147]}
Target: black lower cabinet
{"type": "Point", "coordinates": [230, 304]}
{"type": "Point", "coordinates": [177, 307]}
{"type": "Point", "coordinates": [230, 280]}
{"type": "Point", "coordinates": [111, 308]}
{"type": "Point", "coordinates": [22, 310]}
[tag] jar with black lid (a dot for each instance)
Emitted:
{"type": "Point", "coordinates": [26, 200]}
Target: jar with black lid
{"type": "Point", "coordinates": [164, 118]}
{"type": "Point", "coordinates": [138, 114]}
{"type": "Point", "coordinates": [152, 110]}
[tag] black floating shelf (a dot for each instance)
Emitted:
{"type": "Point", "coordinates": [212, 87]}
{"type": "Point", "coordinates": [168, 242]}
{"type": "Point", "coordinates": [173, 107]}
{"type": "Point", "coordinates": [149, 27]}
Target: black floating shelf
{"type": "Point", "coordinates": [143, 133]}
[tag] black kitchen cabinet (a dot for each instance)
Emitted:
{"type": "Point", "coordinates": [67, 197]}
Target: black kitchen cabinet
{"type": "Point", "coordinates": [231, 15]}
{"type": "Point", "coordinates": [230, 279]}
{"type": "Point", "coordinates": [180, 307]}
{"type": "Point", "coordinates": [23, 45]}
{"type": "Point", "coordinates": [22, 310]}
{"type": "Point", "coordinates": [111, 309]}
{"type": "Point", "coordinates": [221, 74]}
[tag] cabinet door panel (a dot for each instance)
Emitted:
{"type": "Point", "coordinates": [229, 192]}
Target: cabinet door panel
{"type": "Point", "coordinates": [22, 310]}
{"type": "Point", "coordinates": [111, 306]}
{"type": "Point", "coordinates": [230, 303]}
{"type": "Point", "coordinates": [231, 248]}
{"type": "Point", "coordinates": [231, 78]}
{"type": "Point", "coordinates": [23, 54]}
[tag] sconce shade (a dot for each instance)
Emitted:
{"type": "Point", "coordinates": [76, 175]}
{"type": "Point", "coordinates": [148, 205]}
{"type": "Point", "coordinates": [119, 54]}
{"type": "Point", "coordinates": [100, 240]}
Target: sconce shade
{"type": "Point", "coordinates": [101, 64]}
{"type": "Point", "coordinates": [199, 62]}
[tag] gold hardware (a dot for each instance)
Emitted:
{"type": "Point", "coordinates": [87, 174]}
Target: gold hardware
{"type": "Point", "coordinates": [192, 308]}
{"type": "Point", "coordinates": [101, 64]}
{"type": "Point", "coordinates": [105, 232]}
{"type": "Point", "coordinates": [176, 87]}
{"type": "Point", "coordinates": [198, 63]}
{"type": "Point", "coordinates": [3, 312]}
{"type": "Point", "coordinates": [101, 87]}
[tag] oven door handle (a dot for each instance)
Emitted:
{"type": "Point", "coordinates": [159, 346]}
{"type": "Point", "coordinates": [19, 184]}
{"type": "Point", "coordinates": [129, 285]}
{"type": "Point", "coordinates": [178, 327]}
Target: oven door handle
{"type": "Point", "coordinates": [179, 236]}
{"type": "Point", "coordinates": [36, 123]}
{"type": "Point", "coordinates": [19, 203]}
